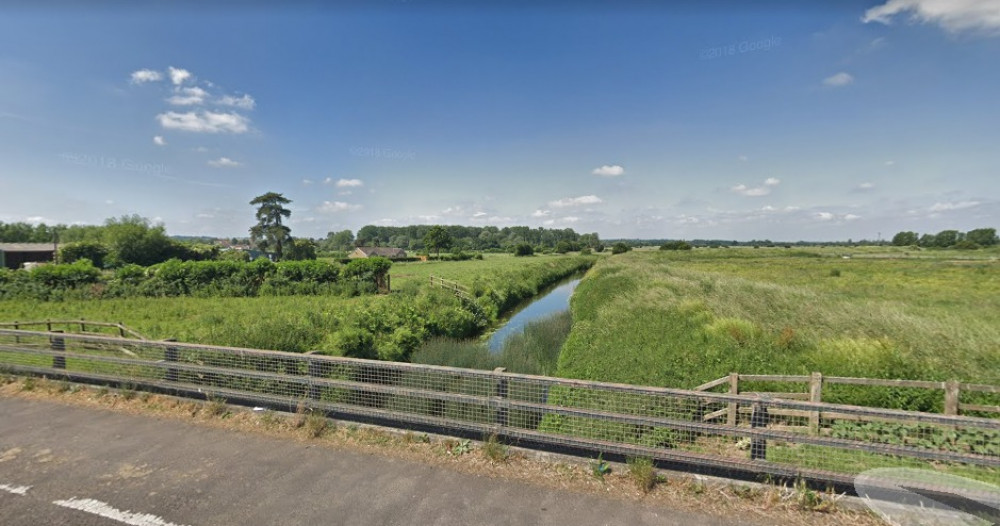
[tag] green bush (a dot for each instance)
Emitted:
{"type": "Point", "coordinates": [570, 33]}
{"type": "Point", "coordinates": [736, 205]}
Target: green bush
{"type": "Point", "coordinates": [620, 248]}
{"type": "Point", "coordinates": [95, 252]}
{"type": "Point", "coordinates": [524, 249]}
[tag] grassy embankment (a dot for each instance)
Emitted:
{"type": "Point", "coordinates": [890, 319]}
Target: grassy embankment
{"type": "Point", "coordinates": [388, 326]}
{"type": "Point", "coordinates": [679, 319]}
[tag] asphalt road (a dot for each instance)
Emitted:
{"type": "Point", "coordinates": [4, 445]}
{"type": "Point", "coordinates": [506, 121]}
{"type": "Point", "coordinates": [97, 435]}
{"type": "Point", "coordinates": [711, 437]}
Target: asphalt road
{"type": "Point", "coordinates": [74, 466]}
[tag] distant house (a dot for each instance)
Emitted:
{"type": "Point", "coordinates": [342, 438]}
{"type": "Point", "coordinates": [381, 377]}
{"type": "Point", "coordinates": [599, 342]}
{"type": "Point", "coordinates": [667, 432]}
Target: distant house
{"type": "Point", "coordinates": [15, 255]}
{"type": "Point", "coordinates": [385, 252]}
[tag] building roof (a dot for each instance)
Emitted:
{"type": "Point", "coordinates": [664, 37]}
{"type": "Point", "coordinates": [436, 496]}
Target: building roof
{"type": "Point", "coordinates": [386, 252]}
{"type": "Point", "coordinates": [27, 247]}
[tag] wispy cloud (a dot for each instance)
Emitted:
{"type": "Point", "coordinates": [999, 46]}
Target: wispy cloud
{"type": "Point", "coordinates": [347, 183]}
{"type": "Point", "coordinates": [224, 162]}
{"type": "Point", "coordinates": [955, 205]}
{"type": "Point", "coordinates": [188, 96]}
{"type": "Point", "coordinates": [838, 80]}
{"type": "Point", "coordinates": [757, 191]}
{"type": "Point", "coordinates": [609, 170]}
{"type": "Point", "coordinates": [178, 75]}
{"type": "Point", "coordinates": [541, 213]}
{"type": "Point", "coordinates": [333, 207]}
{"type": "Point", "coordinates": [953, 15]}
{"type": "Point", "coordinates": [159, 140]}
{"type": "Point", "coordinates": [864, 187]}
{"type": "Point", "coordinates": [245, 102]}
{"type": "Point", "coordinates": [576, 201]}
{"type": "Point", "coordinates": [145, 75]}
{"type": "Point", "coordinates": [204, 122]}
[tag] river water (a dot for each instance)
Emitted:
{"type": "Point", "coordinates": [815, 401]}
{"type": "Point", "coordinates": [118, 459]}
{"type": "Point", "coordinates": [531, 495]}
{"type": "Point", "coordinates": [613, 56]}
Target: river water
{"type": "Point", "coordinates": [554, 301]}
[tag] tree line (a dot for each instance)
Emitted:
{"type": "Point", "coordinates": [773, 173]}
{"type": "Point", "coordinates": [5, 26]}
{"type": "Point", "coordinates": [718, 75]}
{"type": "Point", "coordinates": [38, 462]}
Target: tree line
{"type": "Point", "coordinates": [459, 238]}
{"type": "Point", "coordinates": [973, 239]}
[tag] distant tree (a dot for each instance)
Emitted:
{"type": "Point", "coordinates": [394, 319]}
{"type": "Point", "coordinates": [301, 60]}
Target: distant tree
{"type": "Point", "coordinates": [983, 236]}
{"type": "Point", "coordinates": [965, 244]}
{"type": "Point", "coordinates": [946, 238]}
{"type": "Point", "coordinates": [563, 247]}
{"type": "Point", "coordinates": [620, 248]}
{"type": "Point", "coordinates": [676, 245]}
{"type": "Point", "coordinates": [599, 247]}
{"type": "Point", "coordinates": [300, 249]}
{"type": "Point", "coordinates": [524, 249]}
{"type": "Point", "coordinates": [95, 252]}
{"type": "Point", "coordinates": [269, 235]}
{"type": "Point", "coordinates": [132, 239]}
{"type": "Point", "coordinates": [437, 238]}
{"type": "Point", "coordinates": [927, 240]}
{"type": "Point", "coordinates": [904, 239]}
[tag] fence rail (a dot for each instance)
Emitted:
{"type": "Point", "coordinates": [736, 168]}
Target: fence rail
{"type": "Point", "coordinates": [123, 331]}
{"type": "Point", "coordinates": [764, 436]}
{"type": "Point", "coordinates": [457, 288]}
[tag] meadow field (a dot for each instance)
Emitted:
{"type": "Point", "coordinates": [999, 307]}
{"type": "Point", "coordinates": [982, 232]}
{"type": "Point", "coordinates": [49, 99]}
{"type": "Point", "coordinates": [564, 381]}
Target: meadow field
{"type": "Point", "coordinates": [681, 318]}
{"type": "Point", "coordinates": [385, 326]}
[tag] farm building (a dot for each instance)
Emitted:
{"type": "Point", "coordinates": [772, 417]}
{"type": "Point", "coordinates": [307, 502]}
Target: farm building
{"type": "Point", "coordinates": [386, 252]}
{"type": "Point", "coordinates": [15, 255]}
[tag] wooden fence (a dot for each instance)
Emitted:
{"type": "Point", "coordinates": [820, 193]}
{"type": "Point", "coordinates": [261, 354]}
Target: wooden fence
{"type": "Point", "coordinates": [456, 288]}
{"type": "Point", "coordinates": [814, 382]}
{"type": "Point", "coordinates": [83, 324]}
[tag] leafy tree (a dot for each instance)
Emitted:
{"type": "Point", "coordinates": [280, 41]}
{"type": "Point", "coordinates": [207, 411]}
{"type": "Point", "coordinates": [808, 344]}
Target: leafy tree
{"type": "Point", "coordinates": [620, 248]}
{"type": "Point", "coordinates": [676, 245]}
{"type": "Point", "coordinates": [905, 239]}
{"type": "Point", "coordinates": [301, 249]}
{"type": "Point", "coordinates": [982, 236]}
{"type": "Point", "coordinates": [95, 252]}
{"type": "Point", "coordinates": [269, 235]}
{"type": "Point", "coordinates": [524, 249]}
{"type": "Point", "coordinates": [131, 239]}
{"type": "Point", "coordinates": [342, 240]}
{"type": "Point", "coordinates": [927, 240]}
{"type": "Point", "coordinates": [946, 238]}
{"type": "Point", "coordinates": [437, 238]}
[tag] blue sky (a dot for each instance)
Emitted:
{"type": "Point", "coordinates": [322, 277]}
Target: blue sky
{"type": "Point", "coordinates": [838, 120]}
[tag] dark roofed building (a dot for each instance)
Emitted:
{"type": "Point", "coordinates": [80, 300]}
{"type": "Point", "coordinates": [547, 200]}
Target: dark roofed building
{"type": "Point", "coordinates": [385, 252]}
{"type": "Point", "coordinates": [15, 255]}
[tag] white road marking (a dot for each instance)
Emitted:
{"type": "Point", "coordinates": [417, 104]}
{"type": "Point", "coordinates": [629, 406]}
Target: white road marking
{"type": "Point", "coordinates": [104, 510]}
{"type": "Point", "coordinates": [16, 490]}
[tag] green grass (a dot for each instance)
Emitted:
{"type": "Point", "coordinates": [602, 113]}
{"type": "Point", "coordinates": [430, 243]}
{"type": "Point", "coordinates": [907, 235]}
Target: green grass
{"type": "Point", "coordinates": [679, 319]}
{"type": "Point", "coordinates": [385, 326]}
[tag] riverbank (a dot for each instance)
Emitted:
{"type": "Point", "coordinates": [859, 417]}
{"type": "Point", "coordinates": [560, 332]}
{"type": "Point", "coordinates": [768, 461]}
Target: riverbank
{"type": "Point", "coordinates": [680, 319]}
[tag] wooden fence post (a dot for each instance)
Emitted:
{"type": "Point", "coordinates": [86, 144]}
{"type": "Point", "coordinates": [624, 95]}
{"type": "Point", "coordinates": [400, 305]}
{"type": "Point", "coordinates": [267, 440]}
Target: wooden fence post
{"type": "Point", "coordinates": [502, 413]}
{"type": "Point", "coordinates": [170, 355]}
{"type": "Point", "coordinates": [121, 329]}
{"type": "Point", "coordinates": [815, 395]}
{"type": "Point", "coordinates": [58, 344]}
{"type": "Point", "coordinates": [951, 392]}
{"type": "Point", "coordinates": [734, 388]}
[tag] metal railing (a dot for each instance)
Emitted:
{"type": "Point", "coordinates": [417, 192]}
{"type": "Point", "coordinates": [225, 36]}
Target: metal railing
{"type": "Point", "coordinates": [766, 436]}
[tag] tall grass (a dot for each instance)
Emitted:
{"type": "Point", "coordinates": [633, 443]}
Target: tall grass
{"type": "Point", "coordinates": [679, 320]}
{"type": "Point", "coordinates": [533, 351]}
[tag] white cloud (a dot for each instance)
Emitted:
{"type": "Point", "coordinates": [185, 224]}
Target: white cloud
{"type": "Point", "coordinates": [224, 162]}
{"type": "Point", "coordinates": [576, 201]}
{"type": "Point", "coordinates": [332, 207]}
{"type": "Point", "coordinates": [757, 191]}
{"type": "Point", "coordinates": [177, 75]}
{"type": "Point", "coordinates": [541, 213]}
{"type": "Point", "coordinates": [571, 219]}
{"type": "Point", "coordinates": [145, 75]}
{"type": "Point", "coordinates": [201, 149]}
{"type": "Point", "coordinates": [851, 217]}
{"type": "Point", "coordinates": [612, 170]}
{"type": "Point", "coordinates": [188, 96]}
{"type": "Point", "coordinates": [890, 163]}
{"type": "Point", "coordinates": [824, 216]}
{"type": "Point", "coordinates": [944, 207]}
{"type": "Point", "coordinates": [246, 101]}
{"type": "Point", "coordinates": [348, 183]}
{"type": "Point", "coordinates": [838, 80]}
{"type": "Point", "coordinates": [204, 122]}
{"type": "Point", "coordinates": [159, 140]}
{"type": "Point", "coordinates": [865, 186]}
{"type": "Point", "coordinates": [952, 15]}
{"type": "Point", "coordinates": [744, 158]}
{"type": "Point", "coordinates": [307, 182]}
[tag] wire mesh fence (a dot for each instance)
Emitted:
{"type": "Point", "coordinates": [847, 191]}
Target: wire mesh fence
{"type": "Point", "coordinates": [749, 433]}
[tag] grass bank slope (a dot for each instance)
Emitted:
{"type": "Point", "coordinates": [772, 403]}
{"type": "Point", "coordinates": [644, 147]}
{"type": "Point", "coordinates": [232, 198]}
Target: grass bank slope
{"type": "Point", "coordinates": [680, 319]}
